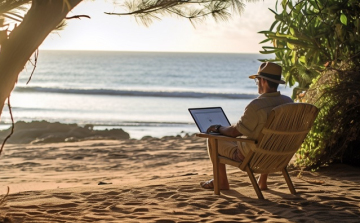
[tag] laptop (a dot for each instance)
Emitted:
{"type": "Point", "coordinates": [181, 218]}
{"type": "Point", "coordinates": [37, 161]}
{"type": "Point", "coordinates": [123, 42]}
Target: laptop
{"type": "Point", "coordinates": [205, 117]}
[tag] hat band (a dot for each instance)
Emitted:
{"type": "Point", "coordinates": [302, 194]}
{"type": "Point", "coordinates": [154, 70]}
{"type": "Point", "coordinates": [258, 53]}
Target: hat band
{"type": "Point", "coordinates": [271, 76]}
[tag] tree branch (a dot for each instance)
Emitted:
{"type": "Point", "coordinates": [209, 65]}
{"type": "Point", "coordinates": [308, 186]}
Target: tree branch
{"type": "Point", "coordinates": [217, 8]}
{"type": "Point", "coordinates": [78, 17]}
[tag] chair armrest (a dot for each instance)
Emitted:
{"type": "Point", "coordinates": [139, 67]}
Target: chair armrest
{"type": "Point", "coordinates": [227, 138]}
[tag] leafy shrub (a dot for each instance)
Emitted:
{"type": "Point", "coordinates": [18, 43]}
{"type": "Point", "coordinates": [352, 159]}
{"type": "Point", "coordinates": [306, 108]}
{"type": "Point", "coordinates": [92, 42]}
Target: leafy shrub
{"type": "Point", "coordinates": [318, 44]}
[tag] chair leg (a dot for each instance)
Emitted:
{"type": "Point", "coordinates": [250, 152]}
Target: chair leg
{"type": "Point", "coordinates": [214, 154]}
{"type": "Point", "coordinates": [288, 181]}
{"type": "Point", "coordinates": [254, 183]}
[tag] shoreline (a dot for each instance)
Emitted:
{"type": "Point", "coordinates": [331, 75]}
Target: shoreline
{"type": "Point", "coordinates": [135, 130]}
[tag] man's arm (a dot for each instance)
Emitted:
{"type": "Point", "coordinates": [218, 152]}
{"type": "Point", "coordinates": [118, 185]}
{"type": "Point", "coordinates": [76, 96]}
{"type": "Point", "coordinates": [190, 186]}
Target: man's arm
{"type": "Point", "coordinates": [224, 130]}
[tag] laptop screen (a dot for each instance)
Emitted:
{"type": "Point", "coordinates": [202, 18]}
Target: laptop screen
{"type": "Point", "coordinates": [205, 117]}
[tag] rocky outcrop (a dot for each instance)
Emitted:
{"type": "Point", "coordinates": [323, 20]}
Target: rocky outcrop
{"type": "Point", "coordinates": [46, 132]}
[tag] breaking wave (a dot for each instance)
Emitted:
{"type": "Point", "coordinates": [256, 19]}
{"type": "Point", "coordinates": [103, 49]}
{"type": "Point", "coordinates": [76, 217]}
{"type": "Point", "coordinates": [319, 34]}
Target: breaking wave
{"type": "Point", "coordinates": [138, 93]}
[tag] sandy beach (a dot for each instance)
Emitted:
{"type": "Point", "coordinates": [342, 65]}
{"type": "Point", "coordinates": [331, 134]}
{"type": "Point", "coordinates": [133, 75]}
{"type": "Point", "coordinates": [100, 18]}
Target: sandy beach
{"type": "Point", "coordinates": [157, 180]}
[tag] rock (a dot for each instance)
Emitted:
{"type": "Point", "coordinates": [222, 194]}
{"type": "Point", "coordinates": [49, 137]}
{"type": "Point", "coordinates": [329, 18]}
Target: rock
{"type": "Point", "coordinates": [46, 132]}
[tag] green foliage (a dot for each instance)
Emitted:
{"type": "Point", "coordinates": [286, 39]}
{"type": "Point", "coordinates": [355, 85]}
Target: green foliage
{"type": "Point", "coordinates": [310, 35]}
{"type": "Point", "coordinates": [337, 128]}
{"type": "Point", "coordinates": [318, 45]}
{"type": "Point", "coordinates": [145, 11]}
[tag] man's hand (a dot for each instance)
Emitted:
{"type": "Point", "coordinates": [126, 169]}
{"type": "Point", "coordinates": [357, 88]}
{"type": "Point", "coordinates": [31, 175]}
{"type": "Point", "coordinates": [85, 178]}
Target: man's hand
{"type": "Point", "coordinates": [214, 128]}
{"type": "Point", "coordinates": [225, 130]}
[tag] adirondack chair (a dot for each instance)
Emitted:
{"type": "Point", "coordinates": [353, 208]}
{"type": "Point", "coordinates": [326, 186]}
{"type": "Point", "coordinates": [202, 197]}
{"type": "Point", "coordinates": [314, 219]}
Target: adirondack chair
{"type": "Point", "coordinates": [282, 135]}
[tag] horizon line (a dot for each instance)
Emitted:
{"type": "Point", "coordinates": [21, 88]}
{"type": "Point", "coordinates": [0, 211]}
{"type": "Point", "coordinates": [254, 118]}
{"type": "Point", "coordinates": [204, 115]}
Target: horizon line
{"type": "Point", "coordinates": [139, 51]}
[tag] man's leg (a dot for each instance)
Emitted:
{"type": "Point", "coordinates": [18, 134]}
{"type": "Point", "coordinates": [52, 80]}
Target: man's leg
{"type": "Point", "coordinates": [225, 148]}
{"type": "Point", "coordinates": [262, 181]}
{"type": "Point", "coordinates": [230, 150]}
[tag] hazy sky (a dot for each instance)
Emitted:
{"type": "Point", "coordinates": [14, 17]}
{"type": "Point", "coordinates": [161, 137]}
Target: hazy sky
{"type": "Point", "coordinates": [104, 32]}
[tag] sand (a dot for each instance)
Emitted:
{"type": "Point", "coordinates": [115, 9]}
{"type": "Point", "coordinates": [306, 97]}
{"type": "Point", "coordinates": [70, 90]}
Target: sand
{"type": "Point", "coordinates": [157, 180]}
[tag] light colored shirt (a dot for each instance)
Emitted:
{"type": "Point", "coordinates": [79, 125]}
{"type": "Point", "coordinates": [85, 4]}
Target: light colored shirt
{"type": "Point", "coordinates": [255, 116]}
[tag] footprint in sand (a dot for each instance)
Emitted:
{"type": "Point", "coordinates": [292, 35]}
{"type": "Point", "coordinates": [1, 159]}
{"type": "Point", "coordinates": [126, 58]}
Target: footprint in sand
{"type": "Point", "coordinates": [141, 210]}
{"type": "Point", "coordinates": [165, 194]}
{"type": "Point", "coordinates": [182, 204]}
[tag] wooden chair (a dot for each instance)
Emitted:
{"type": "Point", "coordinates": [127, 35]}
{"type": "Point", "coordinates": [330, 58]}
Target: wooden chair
{"type": "Point", "coordinates": [281, 136]}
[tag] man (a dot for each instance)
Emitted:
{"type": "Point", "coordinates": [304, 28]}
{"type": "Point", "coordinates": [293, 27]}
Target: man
{"type": "Point", "coordinates": [250, 124]}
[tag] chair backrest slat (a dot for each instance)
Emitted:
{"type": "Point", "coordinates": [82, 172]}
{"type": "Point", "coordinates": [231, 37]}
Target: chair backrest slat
{"type": "Point", "coordinates": [265, 130]}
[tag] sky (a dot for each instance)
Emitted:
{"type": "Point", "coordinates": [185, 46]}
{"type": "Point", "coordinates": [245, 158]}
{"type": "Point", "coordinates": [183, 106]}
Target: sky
{"type": "Point", "coordinates": [170, 34]}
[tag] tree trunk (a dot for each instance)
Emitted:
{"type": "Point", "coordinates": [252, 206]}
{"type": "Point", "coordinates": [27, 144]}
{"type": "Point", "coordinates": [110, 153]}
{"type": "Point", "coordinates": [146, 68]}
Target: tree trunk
{"type": "Point", "coordinates": [40, 20]}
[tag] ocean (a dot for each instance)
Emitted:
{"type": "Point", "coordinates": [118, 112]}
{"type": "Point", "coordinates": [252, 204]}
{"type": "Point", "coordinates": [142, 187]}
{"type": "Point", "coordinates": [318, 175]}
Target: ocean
{"type": "Point", "coordinates": [144, 93]}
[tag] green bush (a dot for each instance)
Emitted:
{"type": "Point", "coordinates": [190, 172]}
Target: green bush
{"type": "Point", "coordinates": [317, 43]}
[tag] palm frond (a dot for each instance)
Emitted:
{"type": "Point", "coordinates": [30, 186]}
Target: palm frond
{"type": "Point", "coordinates": [12, 16]}
{"type": "Point", "coordinates": [9, 5]}
{"type": "Point", "coordinates": [13, 10]}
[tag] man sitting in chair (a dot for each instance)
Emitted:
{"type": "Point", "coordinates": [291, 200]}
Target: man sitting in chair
{"type": "Point", "coordinates": [250, 124]}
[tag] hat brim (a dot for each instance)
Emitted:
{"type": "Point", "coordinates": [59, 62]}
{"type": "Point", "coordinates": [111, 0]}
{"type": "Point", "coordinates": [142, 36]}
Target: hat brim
{"type": "Point", "coordinates": [269, 79]}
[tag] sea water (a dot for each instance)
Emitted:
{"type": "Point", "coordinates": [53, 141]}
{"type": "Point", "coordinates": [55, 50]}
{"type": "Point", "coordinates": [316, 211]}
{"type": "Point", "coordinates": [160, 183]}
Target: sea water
{"type": "Point", "coordinates": [144, 93]}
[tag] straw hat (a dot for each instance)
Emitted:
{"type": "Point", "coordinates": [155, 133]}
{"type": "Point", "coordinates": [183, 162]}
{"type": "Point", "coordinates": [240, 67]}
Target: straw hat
{"type": "Point", "coordinates": [269, 71]}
